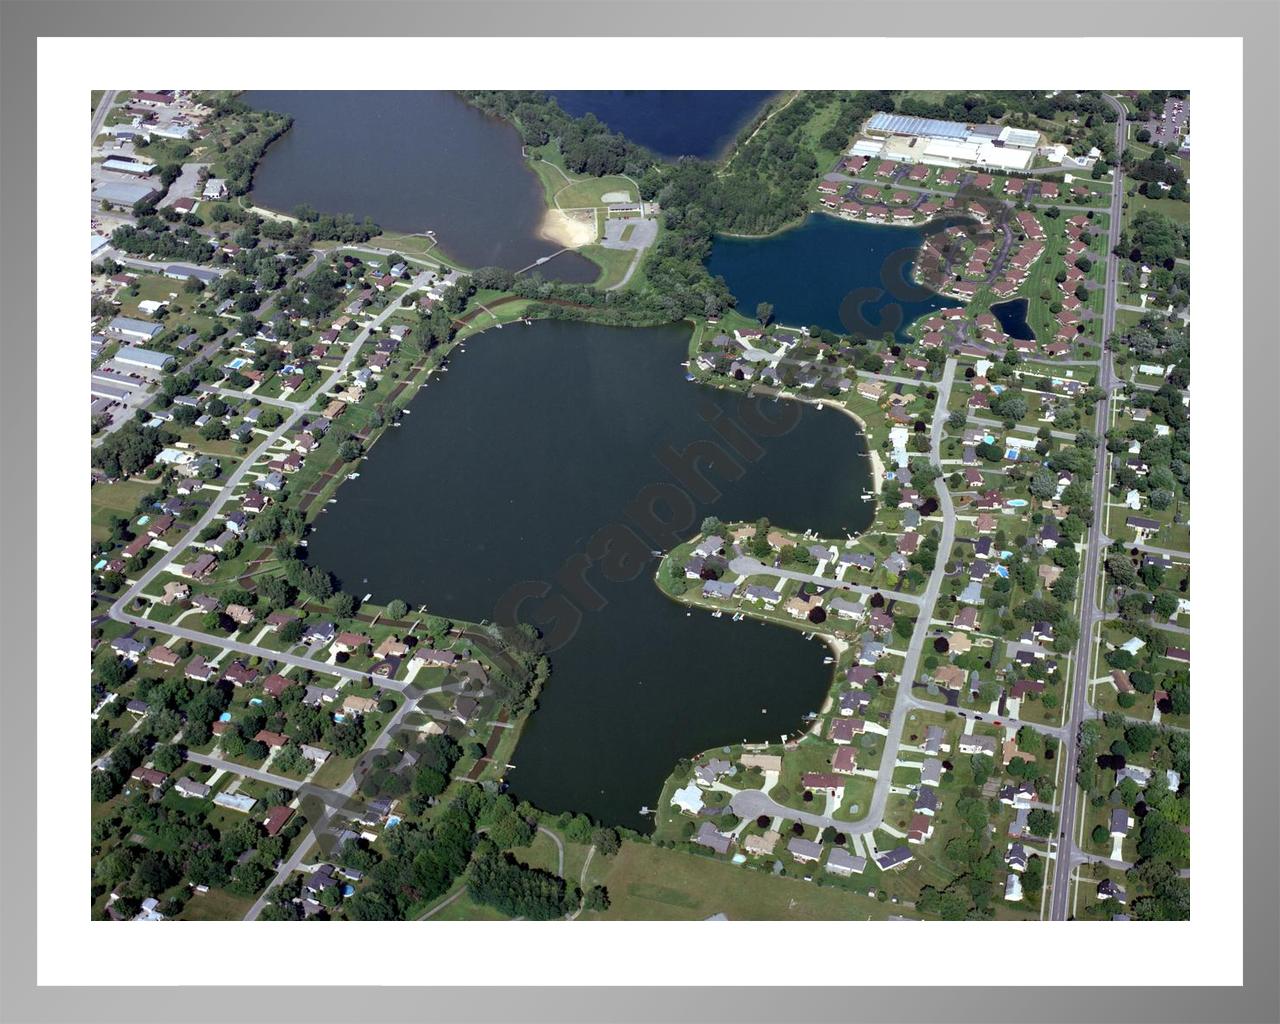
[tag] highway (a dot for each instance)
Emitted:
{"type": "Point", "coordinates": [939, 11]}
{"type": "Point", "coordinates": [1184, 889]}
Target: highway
{"type": "Point", "coordinates": [1079, 709]}
{"type": "Point", "coordinates": [100, 114]}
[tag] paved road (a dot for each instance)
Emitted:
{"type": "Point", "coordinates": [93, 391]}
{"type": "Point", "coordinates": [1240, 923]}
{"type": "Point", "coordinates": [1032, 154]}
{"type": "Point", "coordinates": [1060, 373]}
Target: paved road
{"type": "Point", "coordinates": [269, 778]}
{"type": "Point", "coordinates": [745, 565]}
{"type": "Point", "coordinates": [1060, 901]}
{"type": "Point", "coordinates": [1005, 720]}
{"type": "Point", "coordinates": [1026, 428]}
{"type": "Point", "coordinates": [559, 849]}
{"type": "Point", "coordinates": [746, 800]}
{"type": "Point", "coordinates": [100, 115]}
{"type": "Point", "coordinates": [339, 798]}
{"type": "Point", "coordinates": [118, 609]}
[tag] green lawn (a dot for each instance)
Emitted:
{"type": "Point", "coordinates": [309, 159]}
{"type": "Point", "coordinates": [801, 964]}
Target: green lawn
{"type": "Point", "coordinates": [1175, 209]}
{"type": "Point", "coordinates": [646, 882]}
{"type": "Point", "coordinates": [586, 192]}
{"type": "Point", "coordinates": [613, 263]}
{"type": "Point", "coordinates": [216, 905]}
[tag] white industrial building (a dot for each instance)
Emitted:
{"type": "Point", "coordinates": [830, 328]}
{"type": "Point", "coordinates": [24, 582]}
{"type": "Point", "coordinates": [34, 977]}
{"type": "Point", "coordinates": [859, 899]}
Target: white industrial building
{"type": "Point", "coordinates": [122, 193]}
{"type": "Point", "coordinates": [142, 357]}
{"type": "Point", "coordinates": [906, 139]}
{"type": "Point", "coordinates": [132, 329]}
{"type": "Point", "coordinates": [122, 166]}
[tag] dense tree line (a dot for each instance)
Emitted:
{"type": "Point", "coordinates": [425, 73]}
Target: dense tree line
{"type": "Point", "coordinates": [127, 451]}
{"type": "Point", "coordinates": [180, 243]}
{"type": "Point", "coordinates": [587, 146]}
{"type": "Point", "coordinates": [496, 879]}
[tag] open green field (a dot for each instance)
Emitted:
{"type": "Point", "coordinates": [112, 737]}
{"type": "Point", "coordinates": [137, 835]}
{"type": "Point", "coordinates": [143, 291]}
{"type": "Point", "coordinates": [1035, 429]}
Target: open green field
{"type": "Point", "coordinates": [646, 882]}
{"type": "Point", "coordinates": [613, 263]}
{"type": "Point", "coordinates": [590, 192]}
{"type": "Point", "coordinates": [1175, 209]}
{"type": "Point", "coordinates": [216, 905]}
{"type": "Point", "coordinates": [115, 499]}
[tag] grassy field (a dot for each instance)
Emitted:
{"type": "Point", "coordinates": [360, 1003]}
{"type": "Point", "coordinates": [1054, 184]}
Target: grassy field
{"type": "Point", "coordinates": [586, 192]}
{"type": "Point", "coordinates": [216, 905]}
{"type": "Point", "coordinates": [613, 263]}
{"type": "Point", "coordinates": [116, 499]}
{"type": "Point", "coordinates": [1175, 209]}
{"type": "Point", "coordinates": [646, 882]}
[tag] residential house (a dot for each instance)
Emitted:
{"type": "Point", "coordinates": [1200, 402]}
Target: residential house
{"type": "Point", "coordinates": [804, 851]}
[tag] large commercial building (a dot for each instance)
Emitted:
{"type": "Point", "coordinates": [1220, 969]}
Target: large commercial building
{"type": "Point", "coordinates": [129, 328]}
{"type": "Point", "coordinates": [142, 357]}
{"type": "Point", "coordinates": [907, 139]}
{"type": "Point", "coordinates": [122, 166]}
{"type": "Point", "coordinates": [122, 193]}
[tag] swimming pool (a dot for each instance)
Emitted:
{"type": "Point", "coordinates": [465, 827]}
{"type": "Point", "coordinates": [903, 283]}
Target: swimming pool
{"type": "Point", "coordinates": [1011, 454]}
{"type": "Point", "coordinates": [225, 716]}
{"type": "Point", "coordinates": [99, 563]}
{"type": "Point", "coordinates": [393, 820]}
{"type": "Point", "coordinates": [1016, 502]}
{"type": "Point", "coordinates": [237, 362]}
{"type": "Point", "coordinates": [255, 700]}
{"type": "Point", "coordinates": [1002, 571]}
{"type": "Point", "coordinates": [143, 520]}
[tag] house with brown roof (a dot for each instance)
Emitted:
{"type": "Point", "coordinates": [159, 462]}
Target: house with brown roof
{"type": "Point", "coordinates": [276, 819]}
{"type": "Point", "coordinates": [391, 647]}
{"type": "Point", "coordinates": [175, 590]}
{"type": "Point", "coordinates": [275, 684]}
{"type": "Point", "coordinates": [148, 776]}
{"type": "Point", "coordinates": [240, 615]}
{"type": "Point", "coordinates": [345, 643]}
{"type": "Point", "coordinates": [354, 705]}
{"type": "Point", "coordinates": [162, 655]}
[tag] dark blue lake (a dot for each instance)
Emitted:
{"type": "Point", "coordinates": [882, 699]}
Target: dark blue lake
{"type": "Point", "coordinates": [1013, 319]}
{"type": "Point", "coordinates": [833, 273]}
{"type": "Point", "coordinates": [670, 122]}
{"type": "Point", "coordinates": [507, 472]}
{"type": "Point", "coordinates": [412, 161]}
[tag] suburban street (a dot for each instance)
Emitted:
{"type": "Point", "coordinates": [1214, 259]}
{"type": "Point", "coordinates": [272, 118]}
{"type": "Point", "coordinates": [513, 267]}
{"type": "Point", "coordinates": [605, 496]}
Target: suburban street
{"type": "Point", "coordinates": [1060, 902]}
{"type": "Point", "coordinates": [119, 607]}
{"type": "Point", "coordinates": [749, 803]}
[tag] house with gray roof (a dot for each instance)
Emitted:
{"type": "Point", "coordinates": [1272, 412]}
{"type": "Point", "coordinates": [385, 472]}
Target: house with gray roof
{"type": "Point", "coordinates": [758, 593]}
{"type": "Point", "coordinates": [718, 588]}
{"type": "Point", "coordinates": [931, 772]}
{"type": "Point", "coordinates": [804, 850]}
{"type": "Point", "coordinates": [898, 857]}
{"type": "Point", "coordinates": [708, 836]}
{"type": "Point", "coordinates": [841, 862]}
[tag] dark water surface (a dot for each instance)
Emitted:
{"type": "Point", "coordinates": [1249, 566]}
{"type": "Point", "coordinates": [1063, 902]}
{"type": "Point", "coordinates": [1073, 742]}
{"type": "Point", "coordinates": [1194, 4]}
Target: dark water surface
{"type": "Point", "coordinates": [834, 273]}
{"type": "Point", "coordinates": [670, 122]}
{"type": "Point", "coordinates": [1013, 319]}
{"type": "Point", "coordinates": [536, 439]}
{"type": "Point", "coordinates": [413, 161]}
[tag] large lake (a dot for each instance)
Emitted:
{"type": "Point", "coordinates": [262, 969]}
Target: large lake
{"type": "Point", "coordinates": [413, 161]}
{"type": "Point", "coordinates": [536, 439]}
{"type": "Point", "coordinates": [670, 122]}
{"type": "Point", "coordinates": [834, 273]}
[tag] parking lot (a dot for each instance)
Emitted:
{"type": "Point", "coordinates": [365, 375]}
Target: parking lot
{"type": "Point", "coordinates": [1177, 113]}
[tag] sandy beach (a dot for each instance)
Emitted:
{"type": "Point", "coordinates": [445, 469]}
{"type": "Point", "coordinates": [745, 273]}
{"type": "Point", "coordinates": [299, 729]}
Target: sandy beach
{"type": "Point", "coordinates": [571, 230]}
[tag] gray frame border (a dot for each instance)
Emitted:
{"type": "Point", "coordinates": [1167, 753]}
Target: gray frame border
{"type": "Point", "coordinates": [1258, 23]}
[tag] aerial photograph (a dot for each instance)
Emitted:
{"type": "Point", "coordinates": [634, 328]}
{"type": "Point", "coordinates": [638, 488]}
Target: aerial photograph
{"type": "Point", "coordinates": [640, 505]}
